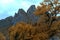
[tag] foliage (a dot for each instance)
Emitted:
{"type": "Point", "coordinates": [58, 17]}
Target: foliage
{"type": "Point", "coordinates": [23, 31]}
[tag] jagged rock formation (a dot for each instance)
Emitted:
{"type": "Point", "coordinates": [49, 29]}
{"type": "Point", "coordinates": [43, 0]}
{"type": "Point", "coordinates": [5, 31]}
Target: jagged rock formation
{"type": "Point", "coordinates": [20, 16]}
{"type": "Point", "coordinates": [30, 12]}
{"type": "Point", "coordinates": [27, 17]}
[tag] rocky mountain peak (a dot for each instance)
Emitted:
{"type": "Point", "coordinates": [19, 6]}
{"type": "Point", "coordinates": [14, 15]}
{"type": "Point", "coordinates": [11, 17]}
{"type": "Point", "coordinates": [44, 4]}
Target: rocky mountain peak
{"type": "Point", "coordinates": [21, 11]}
{"type": "Point", "coordinates": [21, 15]}
{"type": "Point", "coordinates": [31, 9]}
{"type": "Point", "coordinates": [30, 14]}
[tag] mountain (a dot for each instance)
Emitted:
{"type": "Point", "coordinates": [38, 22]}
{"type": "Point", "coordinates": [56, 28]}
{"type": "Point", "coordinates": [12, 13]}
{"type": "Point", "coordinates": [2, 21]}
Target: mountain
{"type": "Point", "coordinates": [27, 17]}
{"type": "Point", "coordinates": [21, 15]}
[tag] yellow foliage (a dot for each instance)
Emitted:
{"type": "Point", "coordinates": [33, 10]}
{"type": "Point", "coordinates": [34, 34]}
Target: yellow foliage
{"type": "Point", "coordinates": [23, 31]}
{"type": "Point", "coordinates": [42, 10]}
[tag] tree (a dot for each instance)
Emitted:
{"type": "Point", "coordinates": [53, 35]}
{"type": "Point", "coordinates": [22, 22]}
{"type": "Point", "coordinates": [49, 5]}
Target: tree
{"type": "Point", "coordinates": [51, 10]}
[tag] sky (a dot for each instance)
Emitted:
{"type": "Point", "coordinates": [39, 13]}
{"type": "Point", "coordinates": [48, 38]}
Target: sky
{"type": "Point", "coordinates": [10, 7]}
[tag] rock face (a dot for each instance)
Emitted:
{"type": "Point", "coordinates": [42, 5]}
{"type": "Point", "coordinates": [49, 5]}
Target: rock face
{"type": "Point", "coordinates": [27, 17]}
{"type": "Point", "coordinates": [20, 16]}
{"type": "Point", "coordinates": [6, 22]}
{"type": "Point", "coordinates": [30, 13]}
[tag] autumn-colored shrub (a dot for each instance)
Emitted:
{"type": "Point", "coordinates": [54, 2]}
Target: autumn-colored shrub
{"type": "Point", "coordinates": [23, 31]}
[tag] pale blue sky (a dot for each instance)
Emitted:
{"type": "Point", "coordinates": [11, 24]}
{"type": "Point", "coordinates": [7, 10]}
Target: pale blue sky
{"type": "Point", "coordinates": [9, 7]}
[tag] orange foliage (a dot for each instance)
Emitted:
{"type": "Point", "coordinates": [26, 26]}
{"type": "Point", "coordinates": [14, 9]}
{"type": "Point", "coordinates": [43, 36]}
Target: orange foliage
{"type": "Point", "coordinates": [45, 8]}
{"type": "Point", "coordinates": [23, 31]}
{"type": "Point", "coordinates": [42, 10]}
